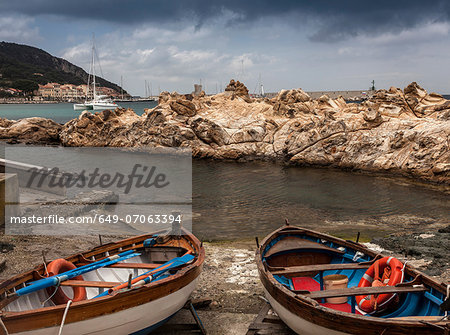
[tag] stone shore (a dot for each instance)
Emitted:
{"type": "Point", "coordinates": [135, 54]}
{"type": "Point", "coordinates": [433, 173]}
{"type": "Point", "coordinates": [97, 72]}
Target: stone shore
{"type": "Point", "coordinates": [399, 132]}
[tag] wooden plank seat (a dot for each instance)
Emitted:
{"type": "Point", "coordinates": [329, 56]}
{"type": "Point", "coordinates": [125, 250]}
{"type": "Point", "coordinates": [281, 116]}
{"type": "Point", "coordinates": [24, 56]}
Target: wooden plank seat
{"type": "Point", "coordinates": [85, 283]}
{"type": "Point", "coordinates": [293, 243]}
{"type": "Point", "coordinates": [148, 266]}
{"type": "Point", "coordinates": [299, 270]}
{"type": "Point", "coordinates": [354, 291]}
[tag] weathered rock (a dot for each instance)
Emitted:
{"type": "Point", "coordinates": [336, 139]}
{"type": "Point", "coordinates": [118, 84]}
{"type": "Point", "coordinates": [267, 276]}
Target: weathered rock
{"type": "Point", "coordinates": [104, 128]}
{"type": "Point", "coordinates": [237, 89]}
{"type": "Point", "coordinates": [30, 130]}
{"type": "Point", "coordinates": [183, 107]}
{"type": "Point", "coordinates": [396, 132]}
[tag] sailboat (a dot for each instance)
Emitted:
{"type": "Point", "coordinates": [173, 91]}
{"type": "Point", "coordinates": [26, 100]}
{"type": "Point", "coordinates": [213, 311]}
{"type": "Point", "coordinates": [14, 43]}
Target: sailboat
{"type": "Point", "coordinates": [100, 102]}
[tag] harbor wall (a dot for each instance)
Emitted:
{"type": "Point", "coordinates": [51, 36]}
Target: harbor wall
{"type": "Point", "coordinates": [347, 95]}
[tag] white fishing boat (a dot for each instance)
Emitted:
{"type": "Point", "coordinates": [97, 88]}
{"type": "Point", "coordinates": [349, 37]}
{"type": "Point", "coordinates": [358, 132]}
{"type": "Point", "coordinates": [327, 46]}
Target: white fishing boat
{"type": "Point", "coordinates": [128, 287]}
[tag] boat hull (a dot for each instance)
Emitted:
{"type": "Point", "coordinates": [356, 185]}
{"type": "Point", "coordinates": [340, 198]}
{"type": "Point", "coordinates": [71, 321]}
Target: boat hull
{"type": "Point", "coordinates": [138, 320]}
{"type": "Point", "coordinates": [78, 107]}
{"type": "Point", "coordinates": [307, 316]}
{"type": "Point", "coordinates": [296, 322]}
{"type": "Point", "coordinates": [104, 106]}
{"type": "Point", "coordinates": [128, 311]}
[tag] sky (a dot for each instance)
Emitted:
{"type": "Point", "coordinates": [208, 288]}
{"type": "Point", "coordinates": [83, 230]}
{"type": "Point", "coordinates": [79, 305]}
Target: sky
{"type": "Point", "coordinates": [314, 45]}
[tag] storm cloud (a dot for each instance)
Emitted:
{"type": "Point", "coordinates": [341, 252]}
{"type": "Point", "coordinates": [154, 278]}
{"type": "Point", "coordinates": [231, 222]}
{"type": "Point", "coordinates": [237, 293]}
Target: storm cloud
{"type": "Point", "coordinates": [332, 20]}
{"type": "Point", "coordinates": [315, 45]}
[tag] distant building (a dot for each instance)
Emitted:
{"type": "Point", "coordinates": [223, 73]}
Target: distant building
{"type": "Point", "coordinates": [55, 91]}
{"type": "Point", "coordinates": [197, 89]}
{"type": "Point", "coordinates": [107, 91]}
{"type": "Point", "coordinates": [13, 91]}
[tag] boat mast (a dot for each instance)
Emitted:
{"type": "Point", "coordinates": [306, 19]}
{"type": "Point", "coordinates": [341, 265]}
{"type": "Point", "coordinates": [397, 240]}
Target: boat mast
{"type": "Point", "coordinates": [121, 86]}
{"type": "Point", "coordinates": [93, 69]}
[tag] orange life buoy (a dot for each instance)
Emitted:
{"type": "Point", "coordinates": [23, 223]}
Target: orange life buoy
{"type": "Point", "coordinates": [59, 297]}
{"type": "Point", "coordinates": [391, 270]}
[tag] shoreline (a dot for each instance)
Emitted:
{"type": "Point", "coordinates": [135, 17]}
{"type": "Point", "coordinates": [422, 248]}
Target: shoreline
{"type": "Point", "coordinates": [229, 278]}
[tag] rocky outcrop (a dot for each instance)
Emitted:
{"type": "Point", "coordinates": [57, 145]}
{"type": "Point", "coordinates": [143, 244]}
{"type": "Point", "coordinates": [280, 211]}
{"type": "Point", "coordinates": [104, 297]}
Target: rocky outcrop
{"type": "Point", "coordinates": [237, 89]}
{"type": "Point", "coordinates": [31, 130]}
{"type": "Point", "coordinates": [397, 131]}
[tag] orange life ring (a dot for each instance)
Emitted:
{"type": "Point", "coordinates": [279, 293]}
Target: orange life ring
{"type": "Point", "coordinates": [59, 297]}
{"type": "Point", "coordinates": [391, 270]}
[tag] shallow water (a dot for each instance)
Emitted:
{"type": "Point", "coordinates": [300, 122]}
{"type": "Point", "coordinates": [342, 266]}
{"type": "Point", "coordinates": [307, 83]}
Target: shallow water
{"type": "Point", "coordinates": [241, 200]}
{"type": "Point", "coordinates": [232, 200]}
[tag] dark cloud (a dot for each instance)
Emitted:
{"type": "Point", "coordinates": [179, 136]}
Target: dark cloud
{"type": "Point", "coordinates": [331, 20]}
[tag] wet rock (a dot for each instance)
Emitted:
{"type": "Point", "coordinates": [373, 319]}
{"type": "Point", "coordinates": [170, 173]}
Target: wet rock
{"type": "Point", "coordinates": [34, 130]}
{"type": "Point", "coordinates": [430, 246]}
{"type": "Point", "coordinates": [6, 247]}
{"type": "Point", "coordinates": [445, 230]}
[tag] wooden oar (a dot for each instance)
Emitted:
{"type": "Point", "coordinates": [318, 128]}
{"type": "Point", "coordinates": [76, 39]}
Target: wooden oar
{"type": "Point", "coordinates": [149, 275]}
{"type": "Point", "coordinates": [57, 279]}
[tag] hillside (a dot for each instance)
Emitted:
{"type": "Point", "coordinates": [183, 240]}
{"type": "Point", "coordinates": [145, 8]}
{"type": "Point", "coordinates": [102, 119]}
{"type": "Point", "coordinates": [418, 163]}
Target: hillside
{"type": "Point", "coordinates": [20, 63]}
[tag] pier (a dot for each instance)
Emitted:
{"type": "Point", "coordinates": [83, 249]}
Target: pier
{"type": "Point", "coordinates": [347, 95]}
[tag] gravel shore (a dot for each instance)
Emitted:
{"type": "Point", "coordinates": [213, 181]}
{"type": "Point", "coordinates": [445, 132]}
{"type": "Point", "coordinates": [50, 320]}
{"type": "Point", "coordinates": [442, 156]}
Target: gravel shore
{"type": "Point", "coordinates": [229, 277]}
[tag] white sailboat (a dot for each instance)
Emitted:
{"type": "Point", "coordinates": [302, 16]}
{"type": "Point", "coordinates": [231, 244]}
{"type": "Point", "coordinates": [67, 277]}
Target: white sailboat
{"type": "Point", "coordinates": [100, 102]}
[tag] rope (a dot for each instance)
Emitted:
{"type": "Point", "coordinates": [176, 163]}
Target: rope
{"type": "Point", "coordinates": [448, 297]}
{"type": "Point", "coordinates": [45, 267]}
{"type": "Point", "coordinates": [54, 292]}
{"type": "Point", "coordinates": [3, 326]}
{"type": "Point", "coordinates": [64, 317]}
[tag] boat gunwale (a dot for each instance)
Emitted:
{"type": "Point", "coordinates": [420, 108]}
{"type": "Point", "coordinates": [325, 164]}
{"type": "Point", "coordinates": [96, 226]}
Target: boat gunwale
{"type": "Point", "coordinates": [147, 293]}
{"type": "Point", "coordinates": [334, 318]}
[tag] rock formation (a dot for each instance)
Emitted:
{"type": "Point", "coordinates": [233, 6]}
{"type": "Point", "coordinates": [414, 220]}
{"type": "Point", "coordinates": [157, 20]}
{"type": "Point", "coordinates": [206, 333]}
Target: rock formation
{"type": "Point", "coordinates": [237, 89]}
{"type": "Point", "coordinates": [399, 132]}
{"type": "Point", "coordinates": [35, 130]}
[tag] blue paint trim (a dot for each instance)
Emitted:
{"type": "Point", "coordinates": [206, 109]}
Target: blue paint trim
{"type": "Point", "coordinates": [433, 298]}
{"type": "Point", "coordinates": [151, 328]}
{"type": "Point", "coordinates": [418, 304]}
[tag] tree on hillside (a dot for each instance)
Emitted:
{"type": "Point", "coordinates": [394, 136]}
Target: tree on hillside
{"type": "Point", "coordinates": [27, 86]}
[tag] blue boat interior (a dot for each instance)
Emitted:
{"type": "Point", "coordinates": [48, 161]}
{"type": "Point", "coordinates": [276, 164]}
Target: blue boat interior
{"type": "Point", "coordinates": [409, 304]}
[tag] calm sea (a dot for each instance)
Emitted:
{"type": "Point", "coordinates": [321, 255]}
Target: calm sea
{"type": "Point", "coordinates": [61, 112]}
{"type": "Point", "coordinates": [240, 200]}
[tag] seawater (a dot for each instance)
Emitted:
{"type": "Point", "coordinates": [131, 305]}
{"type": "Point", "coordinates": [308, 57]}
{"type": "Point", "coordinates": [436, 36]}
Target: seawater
{"type": "Point", "coordinates": [59, 112]}
{"type": "Point", "coordinates": [233, 200]}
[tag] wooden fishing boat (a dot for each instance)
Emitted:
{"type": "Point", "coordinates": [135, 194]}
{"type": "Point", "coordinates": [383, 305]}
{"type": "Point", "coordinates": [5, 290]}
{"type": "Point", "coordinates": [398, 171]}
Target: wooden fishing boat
{"type": "Point", "coordinates": [296, 267]}
{"type": "Point", "coordinates": [128, 287]}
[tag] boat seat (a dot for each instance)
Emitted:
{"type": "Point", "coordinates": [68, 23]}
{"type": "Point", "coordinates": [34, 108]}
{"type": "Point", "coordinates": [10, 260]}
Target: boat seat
{"type": "Point", "coordinates": [293, 243]}
{"type": "Point", "coordinates": [354, 291]}
{"type": "Point", "coordinates": [85, 283]}
{"type": "Point", "coordinates": [299, 270]}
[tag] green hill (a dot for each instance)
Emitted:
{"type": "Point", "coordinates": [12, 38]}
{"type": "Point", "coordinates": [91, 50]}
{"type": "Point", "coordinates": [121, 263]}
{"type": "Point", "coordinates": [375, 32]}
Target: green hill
{"type": "Point", "coordinates": [24, 67]}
